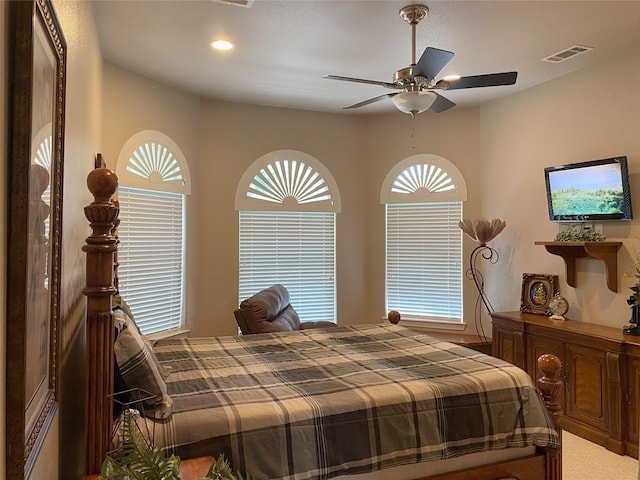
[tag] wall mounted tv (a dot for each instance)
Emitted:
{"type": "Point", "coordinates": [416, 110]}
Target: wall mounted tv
{"type": "Point", "coordinates": [589, 191]}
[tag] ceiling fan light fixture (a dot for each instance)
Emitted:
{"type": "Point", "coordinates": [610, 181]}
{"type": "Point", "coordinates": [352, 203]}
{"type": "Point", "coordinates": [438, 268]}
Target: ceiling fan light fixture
{"type": "Point", "coordinates": [413, 102]}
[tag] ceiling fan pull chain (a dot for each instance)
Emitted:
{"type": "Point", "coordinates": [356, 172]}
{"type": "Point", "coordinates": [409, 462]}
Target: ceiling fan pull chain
{"type": "Point", "coordinates": [413, 135]}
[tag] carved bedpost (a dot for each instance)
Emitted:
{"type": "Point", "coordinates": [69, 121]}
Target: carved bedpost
{"type": "Point", "coordinates": [550, 386]}
{"type": "Point", "coordinates": [116, 264]}
{"type": "Point", "coordinates": [100, 248]}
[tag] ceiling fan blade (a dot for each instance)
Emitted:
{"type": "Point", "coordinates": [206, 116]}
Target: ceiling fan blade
{"type": "Point", "coordinates": [489, 80]}
{"type": "Point", "coordinates": [360, 80]}
{"type": "Point", "coordinates": [371, 100]}
{"type": "Point", "coordinates": [441, 104]}
{"type": "Point", "coordinates": [431, 62]}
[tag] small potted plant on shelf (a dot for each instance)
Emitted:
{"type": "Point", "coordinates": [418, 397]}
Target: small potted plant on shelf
{"type": "Point", "coordinates": [571, 234]}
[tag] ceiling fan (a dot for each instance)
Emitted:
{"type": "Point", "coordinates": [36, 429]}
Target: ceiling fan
{"type": "Point", "coordinates": [417, 83]}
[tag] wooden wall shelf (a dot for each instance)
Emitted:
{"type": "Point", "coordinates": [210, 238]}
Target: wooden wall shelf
{"type": "Point", "coordinates": [569, 251]}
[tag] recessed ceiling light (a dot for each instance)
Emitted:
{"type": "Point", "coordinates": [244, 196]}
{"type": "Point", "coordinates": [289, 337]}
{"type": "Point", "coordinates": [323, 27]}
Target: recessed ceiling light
{"type": "Point", "coordinates": [222, 45]}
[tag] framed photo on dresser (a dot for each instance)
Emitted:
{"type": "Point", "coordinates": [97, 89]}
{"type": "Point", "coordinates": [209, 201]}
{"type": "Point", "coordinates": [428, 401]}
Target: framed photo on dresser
{"type": "Point", "coordinates": [537, 291]}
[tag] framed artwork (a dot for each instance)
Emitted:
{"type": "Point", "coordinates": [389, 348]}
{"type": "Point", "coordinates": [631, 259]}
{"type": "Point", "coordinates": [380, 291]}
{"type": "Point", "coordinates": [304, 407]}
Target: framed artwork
{"type": "Point", "coordinates": [537, 291]}
{"type": "Point", "coordinates": [35, 229]}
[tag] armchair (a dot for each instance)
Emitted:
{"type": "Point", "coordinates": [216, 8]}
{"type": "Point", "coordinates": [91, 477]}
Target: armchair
{"type": "Point", "coordinates": [270, 310]}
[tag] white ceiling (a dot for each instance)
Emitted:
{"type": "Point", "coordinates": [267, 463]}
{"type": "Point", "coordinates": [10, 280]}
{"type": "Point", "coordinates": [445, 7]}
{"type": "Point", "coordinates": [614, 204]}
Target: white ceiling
{"type": "Point", "coordinates": [283, 48]}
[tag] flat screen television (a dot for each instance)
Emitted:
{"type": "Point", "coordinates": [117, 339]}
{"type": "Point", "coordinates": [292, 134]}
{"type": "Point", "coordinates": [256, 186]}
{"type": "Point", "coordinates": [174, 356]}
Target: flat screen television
{"type": "Point", "coordinates": [589, 191]}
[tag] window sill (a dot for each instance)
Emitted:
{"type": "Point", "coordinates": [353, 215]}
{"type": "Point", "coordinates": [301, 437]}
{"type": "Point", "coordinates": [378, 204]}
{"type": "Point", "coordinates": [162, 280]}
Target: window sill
{"type": "Point", "coordinates": [166, 334]}
{"type": "Point", "coordinates": [429, 325]}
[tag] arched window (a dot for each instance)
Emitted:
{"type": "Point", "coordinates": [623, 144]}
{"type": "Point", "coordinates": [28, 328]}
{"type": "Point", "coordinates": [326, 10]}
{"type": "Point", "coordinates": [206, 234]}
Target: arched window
{"type": "Point", "coordinates": [287, 202]}
{"type": "Point", "coordinates": [154, 180]}
{"type": "Point", "coordinates": [423, 198]}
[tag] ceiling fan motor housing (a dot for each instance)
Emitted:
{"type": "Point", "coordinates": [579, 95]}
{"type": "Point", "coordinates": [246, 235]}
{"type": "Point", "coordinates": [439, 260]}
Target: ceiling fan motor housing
{"type": "Point", "coordinates": [403, 76]}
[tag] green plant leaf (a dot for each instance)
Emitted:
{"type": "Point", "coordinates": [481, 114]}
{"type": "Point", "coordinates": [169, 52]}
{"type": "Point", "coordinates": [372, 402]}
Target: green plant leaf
{"type": "Point", "coordinates": [221, 470]}
{"type": "Point", "coordinates": [139, 459]}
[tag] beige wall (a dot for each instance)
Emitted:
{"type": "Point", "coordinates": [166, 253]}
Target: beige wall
{"type": "Point", "coordinates": [583, 116]}
{"type": "Point", "coordinates": [82, 142]}
{"type": "Point", "coordinates": [221, 140]}
{"type": "Point", "coordinates": [500, 148]}
{"type": "Point", "coordinates": [232, 137]}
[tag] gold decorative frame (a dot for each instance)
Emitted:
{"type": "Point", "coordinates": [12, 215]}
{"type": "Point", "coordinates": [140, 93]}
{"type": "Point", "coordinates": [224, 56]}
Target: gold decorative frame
{"type": "Point", "coordinates": [537, 291]}
{"type": "Point", "coordinates": [36, 118]}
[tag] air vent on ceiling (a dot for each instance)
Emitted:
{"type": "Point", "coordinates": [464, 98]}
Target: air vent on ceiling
{"type": "Point", "coordinates": [239, 3]}
{"type": "Point", "coordinates": [567, 54]}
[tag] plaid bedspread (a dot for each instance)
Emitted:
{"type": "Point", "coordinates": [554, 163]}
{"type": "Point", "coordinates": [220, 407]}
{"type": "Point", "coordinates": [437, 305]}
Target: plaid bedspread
{"type": "Point", "coordinates": [316, 404]}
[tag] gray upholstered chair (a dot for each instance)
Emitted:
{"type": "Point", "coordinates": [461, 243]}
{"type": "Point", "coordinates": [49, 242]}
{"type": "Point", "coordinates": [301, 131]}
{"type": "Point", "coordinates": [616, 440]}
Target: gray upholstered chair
{"type": "Point", "coordinates": [270, 310]}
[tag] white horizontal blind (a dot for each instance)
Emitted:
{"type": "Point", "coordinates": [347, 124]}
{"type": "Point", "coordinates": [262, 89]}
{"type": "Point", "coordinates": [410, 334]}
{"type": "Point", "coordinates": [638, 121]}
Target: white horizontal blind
{"type": "Point", "coordinates": [151, 255]}
{"type": "Point", "coordinates": [424, 268]}
{"type": "Point", "coordinates": [295, 249]}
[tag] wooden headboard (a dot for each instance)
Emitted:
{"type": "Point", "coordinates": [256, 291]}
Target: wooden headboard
{"type": "Point", "coordinates": [101, 247]}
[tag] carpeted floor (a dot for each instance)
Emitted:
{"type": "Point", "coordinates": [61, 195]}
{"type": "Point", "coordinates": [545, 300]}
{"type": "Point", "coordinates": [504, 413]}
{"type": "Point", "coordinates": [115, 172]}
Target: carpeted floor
{"type": "Point", "coordinates": [583, 460]}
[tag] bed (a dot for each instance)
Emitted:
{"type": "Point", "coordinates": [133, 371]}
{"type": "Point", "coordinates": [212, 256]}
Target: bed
{"type": "Point", "coordinates": [363, 402]}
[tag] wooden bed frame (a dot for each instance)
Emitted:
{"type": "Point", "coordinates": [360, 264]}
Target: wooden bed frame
{"type": "Point", "coordinates": [101, 284]}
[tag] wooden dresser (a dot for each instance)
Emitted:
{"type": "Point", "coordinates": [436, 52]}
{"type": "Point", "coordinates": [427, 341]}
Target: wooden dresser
{"type": "Point", "coordinates": [601, 372]}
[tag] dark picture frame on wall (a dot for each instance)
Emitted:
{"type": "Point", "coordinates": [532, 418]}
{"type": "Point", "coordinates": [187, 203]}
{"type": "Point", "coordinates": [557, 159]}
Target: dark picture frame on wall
{"type": "Point", "coordinates": [37, 57]}
{"type": "Point", "coordinates": [537, 291]}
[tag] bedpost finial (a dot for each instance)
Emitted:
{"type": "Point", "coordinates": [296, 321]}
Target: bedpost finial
{"type": "Point", "coordinates": [102, 183]}
{"type": "Point", "coordinates": [550, 365]}
{"type": "Point", "coordinates": [550, 384]}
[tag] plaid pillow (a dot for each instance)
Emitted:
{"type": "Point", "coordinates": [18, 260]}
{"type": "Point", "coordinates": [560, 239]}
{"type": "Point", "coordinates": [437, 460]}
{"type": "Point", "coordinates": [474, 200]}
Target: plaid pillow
{"type": "Point", "coordinates": [118, 302]}
{"type": "Point", "coordinates": [139, 366]}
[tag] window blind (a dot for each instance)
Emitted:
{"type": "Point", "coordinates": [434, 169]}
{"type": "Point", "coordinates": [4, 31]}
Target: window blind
{"type": "Point", "coordinates": [151, 256]}
{"type": "Point", "coordinates": [423, 260]}
{"type": "Point", "coordinates": [295, 249]}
